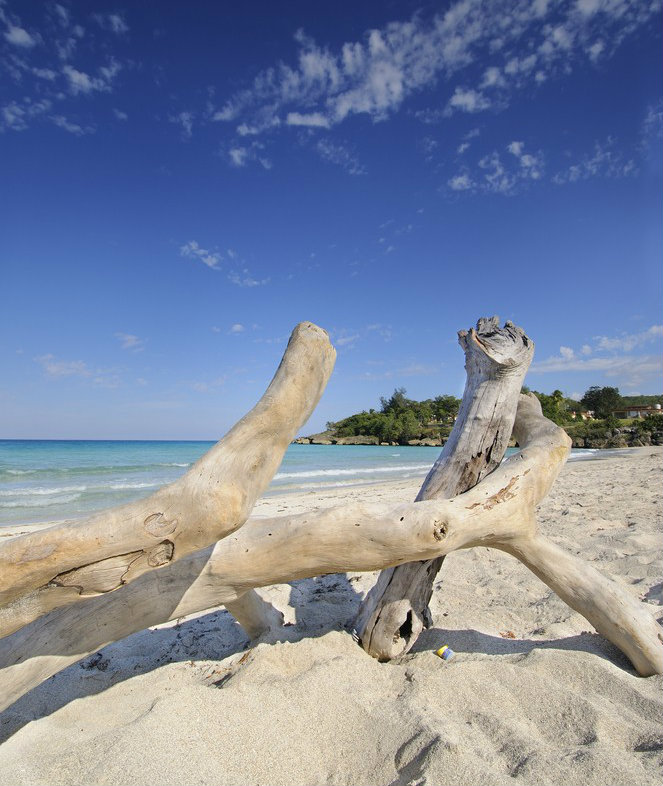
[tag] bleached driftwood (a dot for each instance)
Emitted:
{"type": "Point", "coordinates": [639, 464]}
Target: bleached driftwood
{"type": "Point", "coordinates": [395, 611]}
{"type": "Point", "coordinates": [44, 570]}
{"type": "Point", "coordinates": [499, 512]}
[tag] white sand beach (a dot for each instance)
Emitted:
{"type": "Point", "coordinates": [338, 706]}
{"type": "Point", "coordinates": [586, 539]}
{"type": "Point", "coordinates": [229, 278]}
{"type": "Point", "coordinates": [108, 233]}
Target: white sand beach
{"type": "Point", "coordinates": [533, 695]}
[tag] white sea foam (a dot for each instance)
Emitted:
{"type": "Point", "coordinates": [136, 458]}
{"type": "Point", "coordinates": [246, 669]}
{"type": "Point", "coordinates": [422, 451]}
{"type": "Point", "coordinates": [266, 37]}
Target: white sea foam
{"type": "Point", "coordinates": [40, 503]}
{"type": "Point", "coordinates": [317, 473]}
{"type": "Point", "coordinates": [40, 492]}
{"type": "Point", "coordinates": [122, 486]}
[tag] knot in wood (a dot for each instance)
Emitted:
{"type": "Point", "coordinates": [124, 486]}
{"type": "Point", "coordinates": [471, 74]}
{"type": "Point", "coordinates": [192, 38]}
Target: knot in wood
{"type": "Point", "coordinates": [161, 554]}
{"type": "Point", "coordinates": [158, 525]}
{"type": "Point", "coordinates": [440, 530]}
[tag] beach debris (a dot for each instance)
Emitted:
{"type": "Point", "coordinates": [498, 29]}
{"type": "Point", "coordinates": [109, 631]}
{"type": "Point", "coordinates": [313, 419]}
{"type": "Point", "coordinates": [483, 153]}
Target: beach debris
{"type": "Point", "coordinates": [507, 634]}
{"type": "Point", "coordinates": [445, 652]}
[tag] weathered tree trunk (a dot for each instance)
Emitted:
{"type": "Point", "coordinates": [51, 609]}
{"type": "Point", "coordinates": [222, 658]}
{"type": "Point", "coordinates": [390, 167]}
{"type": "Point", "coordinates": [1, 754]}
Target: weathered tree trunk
{"type": "Point", "coordinates": [395, 611]}
{"type": "Point", "coordinates": [499, 512]}
{"type": "Point", "coordinates": [53, 567]}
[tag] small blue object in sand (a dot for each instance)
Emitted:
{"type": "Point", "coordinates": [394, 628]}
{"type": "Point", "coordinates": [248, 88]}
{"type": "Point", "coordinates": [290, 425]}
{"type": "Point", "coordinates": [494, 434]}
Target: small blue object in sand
{"type": "Point", "coordinates": [446, 653]}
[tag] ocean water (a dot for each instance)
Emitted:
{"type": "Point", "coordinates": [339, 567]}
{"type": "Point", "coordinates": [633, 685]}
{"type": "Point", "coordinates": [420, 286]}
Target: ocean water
{"type": "Point", "coordinates": [61, 479]}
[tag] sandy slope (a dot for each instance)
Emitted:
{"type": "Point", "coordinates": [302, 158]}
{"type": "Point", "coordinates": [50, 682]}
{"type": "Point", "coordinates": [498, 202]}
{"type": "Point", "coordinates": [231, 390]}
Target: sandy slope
{"type": "Point", "coordinates": [532, 695]}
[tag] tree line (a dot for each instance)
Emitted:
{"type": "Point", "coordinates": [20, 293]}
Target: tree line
{"type": "Point", "coordinates": [400, 419]}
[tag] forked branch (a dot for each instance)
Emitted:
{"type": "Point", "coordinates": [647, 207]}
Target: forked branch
{"type": "Point", "coordinates": [498, 512]}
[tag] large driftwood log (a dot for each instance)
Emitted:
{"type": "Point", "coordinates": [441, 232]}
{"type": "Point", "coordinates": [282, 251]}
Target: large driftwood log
{"type": "Point", "coordinates": [57, 566]}
{"type": "Point", "coordinates": [499, 512]}
{"type": "Point", "coordinates": [395, 611]}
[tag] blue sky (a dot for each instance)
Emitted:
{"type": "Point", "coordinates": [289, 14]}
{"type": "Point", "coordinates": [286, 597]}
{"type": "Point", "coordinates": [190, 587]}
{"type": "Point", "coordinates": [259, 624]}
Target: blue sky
{"type": "Point", "coordinates": [184, 182]}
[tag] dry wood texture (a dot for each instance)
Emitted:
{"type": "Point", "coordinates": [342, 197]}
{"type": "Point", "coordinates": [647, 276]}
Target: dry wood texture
{"type": "Point", "coordinates": [40, 639]}
{"type": "Point", "coordinates": [499, 512]}
{"type": "Point", "coordinates": [395, 611]}
{"type": "Point", "coordinates": [57, 566]}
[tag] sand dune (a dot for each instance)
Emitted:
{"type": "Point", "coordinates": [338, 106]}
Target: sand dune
{"type": "Point", "coordinates": [532, 695]}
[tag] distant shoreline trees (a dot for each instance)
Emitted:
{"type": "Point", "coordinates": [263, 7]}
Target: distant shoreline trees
{"type": "Point", "coordinates": [401, 419]}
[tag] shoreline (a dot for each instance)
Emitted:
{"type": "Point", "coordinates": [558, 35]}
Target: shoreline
{"type": "Point", "coordinates": [532, 694]}
{"type": "Point", "coordinates": [278, 502]}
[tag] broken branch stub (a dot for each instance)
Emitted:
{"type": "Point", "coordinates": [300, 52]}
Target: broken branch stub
{"type": "Point", "coordinates": [57, 566]}
{"type": "Point", "coordinates": [395, 611]}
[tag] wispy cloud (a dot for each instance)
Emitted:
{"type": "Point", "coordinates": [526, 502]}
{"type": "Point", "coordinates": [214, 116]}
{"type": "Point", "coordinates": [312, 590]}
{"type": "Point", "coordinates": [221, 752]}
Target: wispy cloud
{"type": "Point", "coordinates": [19, 36]}
{"type": "Point", "coordinates": [243, 278]}
{"type": "Point", "coordinates": [629, 341]}
{"type": "Point", "coordinates": [130, 342]}
{"type": "Point", "coordinates": [604, 161]}
{"type": "Point", "coordinates": [59, 369]}
{"type": "Point", "coordinates": [185, 121]}
{"type": "Point", "coordinates": [341, 155]}
{"type": "Point", "coordinates": [374, 76]}
{"type": "Point", "coordinates": [82, 82]}
{"type": "Point", "coordinates": [72, 128]}
{"type": "Point", "coordinates": [610, 355]}
{"type": "Point", "coordinates": [192, 250]}
{"type": "Point", "coordinates": [41, 64]}
{"type": "Point", "coordinates": [237, 328]}
{"type": "Point", "coordinates": [240, 155]}
{"type": "Point", "coordinates": [63, 368]}
{"type": "Point", "coordinates": [113, 22]}
{"type": "Point", "coordinates": [497, 174]}
{"type": "Point", "coordinates": [467, 101]}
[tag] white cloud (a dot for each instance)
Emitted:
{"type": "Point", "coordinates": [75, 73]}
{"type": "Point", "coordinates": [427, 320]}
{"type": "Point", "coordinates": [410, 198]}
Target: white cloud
{"type": "Point", "coordinates": [652, 126]}
{"type": "Point", "coordinates": [238, 156]}
{"type": "Point", "coordinates": [462, 148]}
{"type": "Point", "coordinates": [336, 153]}
{"type": "Point", "coordinates": [19, 37]}
{"type": "Point", "coordinates": [130, 342]}
{"type": "Point", "coordinates": [631, 369]}
{"type": "Point", "coordinates": [63, 368]}
{"type": "Point", "coordinates": [185, 121]}
{"type": "Point", "coordinates": [73, 128]}
{"type": "Point", "coordinates": [460, 183]}
{"type": "Point", "coordinates": [312, 120]}
{"type": "Point", "coordinates": [45, 73]}
{"type": "Point", "coordinates": [531, 165]}
{"type": "Point", "coordinates": [113, 22]}
{"type": "Point", "coordinates": [467, 101]}
{"type": "Point", "coordinates": [605, 161]}
{"type": "Point", "coordinates": [120, 115]}
{"type": "Point", "coordinates": [194, 251]}
{"type": "Point", "coordinates": [81, 82]}
{"type": "Point", "coordinates": [611, 357]}
{"type": "Point", "coordinates": [16, 116]}
{"type": "Point", "coordinates": [237, 328]}
{"type": "Point", "coordinates": [245, 279]}
{"type": "Point", "coordinates": [58, 369]}
{"type": "Point", "coordinates": [376, 74]}
{"type": "Point", "coordinates": [628, 342]}
{"type": "Point", "coordinates": [496, 176]}
{"type": "Point", "coordinates": [346, 339]}
{"type": "Point", "coordinates": [241, 155]}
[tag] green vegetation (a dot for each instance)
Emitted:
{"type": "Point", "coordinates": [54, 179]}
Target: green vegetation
{"type": "Point", "coordinates": [401, 419]}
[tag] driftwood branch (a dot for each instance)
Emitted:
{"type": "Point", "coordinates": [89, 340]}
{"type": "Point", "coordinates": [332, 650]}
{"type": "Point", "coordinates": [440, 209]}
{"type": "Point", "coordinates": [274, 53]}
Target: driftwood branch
{"type": "Point", "coordinates": [499, 512]}
{"type": "Point", "coordinates": [54, 567]}
{"type": "Point", "coordinates": [395, 611]}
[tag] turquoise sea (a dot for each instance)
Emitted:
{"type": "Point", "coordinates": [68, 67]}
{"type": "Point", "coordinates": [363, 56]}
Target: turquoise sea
{"type": "Point", "coordinates": [41, 480]}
